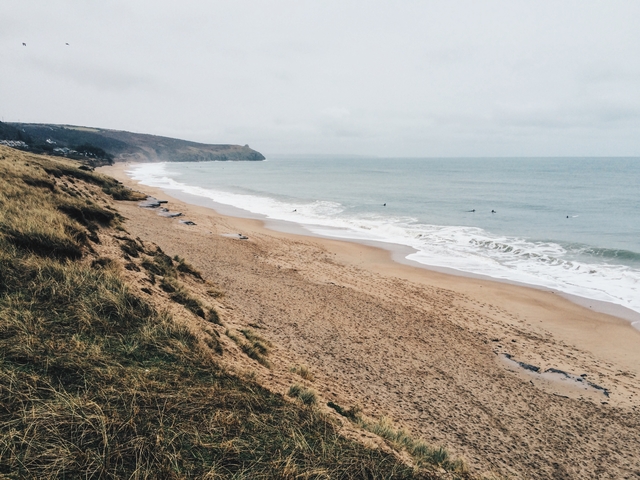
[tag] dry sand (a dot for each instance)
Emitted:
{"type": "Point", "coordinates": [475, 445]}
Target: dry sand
{"type": "Point", "coordinates": [421, 347]}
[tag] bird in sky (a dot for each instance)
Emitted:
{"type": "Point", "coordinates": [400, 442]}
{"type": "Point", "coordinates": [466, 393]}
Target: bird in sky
{"type": "Point", "coordinates": [24, 44]}
{"type": "Point", "coordinates": [66, 44]}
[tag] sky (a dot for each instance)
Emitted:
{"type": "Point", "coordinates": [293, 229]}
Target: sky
{"type": "Point", "coordinates": [385, 78]}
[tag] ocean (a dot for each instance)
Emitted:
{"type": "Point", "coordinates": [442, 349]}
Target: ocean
{"type": "Point", "coordinates": [566, 224]}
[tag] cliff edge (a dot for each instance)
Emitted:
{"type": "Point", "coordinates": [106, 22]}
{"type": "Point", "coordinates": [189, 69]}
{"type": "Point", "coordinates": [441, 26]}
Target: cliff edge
{"type": "Point", "coordinates": [119, 146]}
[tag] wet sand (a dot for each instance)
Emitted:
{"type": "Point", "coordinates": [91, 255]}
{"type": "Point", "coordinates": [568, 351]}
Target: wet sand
{"type": "Point", "coordinates": [423, 347]}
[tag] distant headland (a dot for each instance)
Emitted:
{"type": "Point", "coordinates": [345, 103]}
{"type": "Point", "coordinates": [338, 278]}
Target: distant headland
{"type": "Point", "coordinates": [103, 146]}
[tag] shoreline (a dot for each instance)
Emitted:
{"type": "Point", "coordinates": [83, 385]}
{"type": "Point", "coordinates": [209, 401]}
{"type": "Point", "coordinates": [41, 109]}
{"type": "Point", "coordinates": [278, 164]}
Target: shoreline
{"type": "Point", "coordinates": [423, 347]}
{"type": "Point", "coordinates": [580, 320]}
{"type": "Point", "coordinates": [399, 253]}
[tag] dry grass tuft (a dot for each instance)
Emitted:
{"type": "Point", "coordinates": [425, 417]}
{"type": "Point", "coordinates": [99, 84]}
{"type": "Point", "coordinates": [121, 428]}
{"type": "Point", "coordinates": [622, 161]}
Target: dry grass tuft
{"type": "Point", "coordinates": [184, 267]}
{"type": "Point", "coordinates": [87, 212]}
{"type": "Point", "coordinates": [159, 264]}
{"type": "Point", "coordinates": [304, 372]}
{"type": "Point", "coordinates": [120, 192]}
{"type": "Point", "coordinates": [422, 453]}
{"type": "Point", "coordinates": [181, 295]}
{"type": "Point", "coordinates": [130, 247]}
{"type": "Point", "coordinates": [353, 413]}
{"type": "Point", "coordinates": [213, 293]}
{"type": "Point", "coordinates": [213, 317]}
{"type": "Point", "coordinates": [254, 346]}
{"type": "Point", "coordinates": [307, 396]}
{"type": "Point", "coordinates": [257, 347]}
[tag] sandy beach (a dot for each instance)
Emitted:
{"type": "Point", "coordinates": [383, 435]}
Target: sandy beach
{"type": "Point", "coordinates": [438, 354]}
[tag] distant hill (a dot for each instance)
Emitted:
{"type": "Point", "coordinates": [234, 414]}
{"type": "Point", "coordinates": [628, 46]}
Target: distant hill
{"type": "Point", "coordinates": [107, 146]}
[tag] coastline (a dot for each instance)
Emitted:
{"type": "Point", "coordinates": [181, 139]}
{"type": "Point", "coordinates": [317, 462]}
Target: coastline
{"type": "Point", "coordinates": [487, 318]}
{"type": "Point", "coordinates": [551, 266]}
{"type": "Point", "coordinates": [398, 254]}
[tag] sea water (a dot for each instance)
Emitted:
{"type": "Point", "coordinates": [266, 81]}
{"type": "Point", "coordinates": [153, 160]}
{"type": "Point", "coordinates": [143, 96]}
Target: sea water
{"type": "Point", "coordinates": [567, 224]}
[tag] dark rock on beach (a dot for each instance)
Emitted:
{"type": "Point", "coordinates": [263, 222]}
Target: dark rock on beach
{"type": "Point", "coordinates": [169, 214]}
{"type": "Point", "coordinates": [150, 202]}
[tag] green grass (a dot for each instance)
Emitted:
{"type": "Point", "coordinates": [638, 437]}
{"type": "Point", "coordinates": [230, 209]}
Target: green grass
{"type": "Point", "coordinates": [95, 382]}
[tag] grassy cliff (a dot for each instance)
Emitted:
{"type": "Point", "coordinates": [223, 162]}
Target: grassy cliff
{"type": "Point", "coordinates": [98, 381]}
{"type": "Point", "coordinates": [115, 145]}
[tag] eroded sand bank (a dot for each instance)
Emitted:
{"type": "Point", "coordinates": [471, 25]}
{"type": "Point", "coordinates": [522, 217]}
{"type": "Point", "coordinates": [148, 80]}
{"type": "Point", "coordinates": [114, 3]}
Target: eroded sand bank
{"type": "Point", "coordinates": [422, 347]}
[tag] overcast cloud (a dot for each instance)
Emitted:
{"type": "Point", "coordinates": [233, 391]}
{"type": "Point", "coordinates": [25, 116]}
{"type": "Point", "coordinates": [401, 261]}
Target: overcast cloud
{"type": "Point", "coordinates": [403, 78]}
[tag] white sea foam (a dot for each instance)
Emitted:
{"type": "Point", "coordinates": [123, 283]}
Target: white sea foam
{"type": "Point", "coordinates": [467, 249]}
